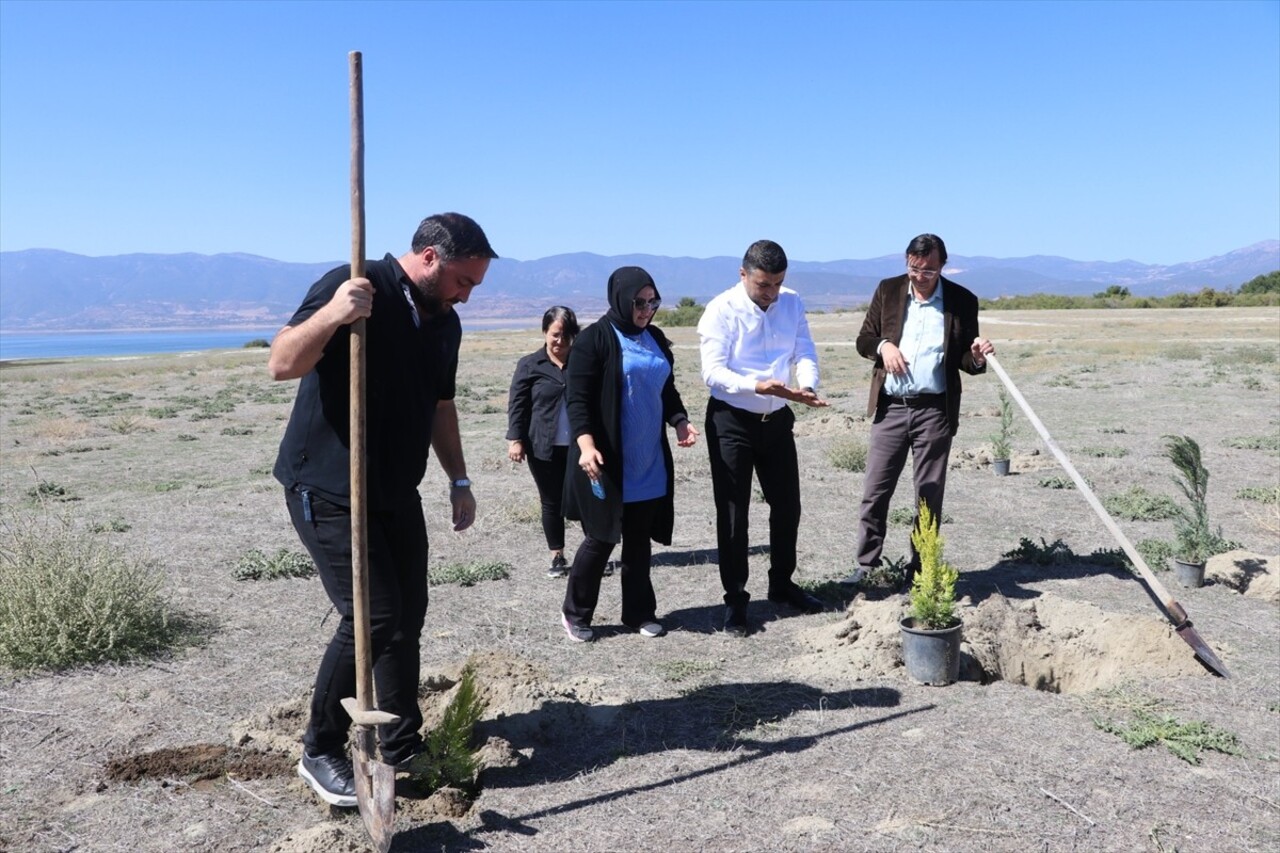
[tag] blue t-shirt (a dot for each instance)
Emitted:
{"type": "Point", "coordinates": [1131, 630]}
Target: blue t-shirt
{"type": "Point", "coordinates": [644, 373]}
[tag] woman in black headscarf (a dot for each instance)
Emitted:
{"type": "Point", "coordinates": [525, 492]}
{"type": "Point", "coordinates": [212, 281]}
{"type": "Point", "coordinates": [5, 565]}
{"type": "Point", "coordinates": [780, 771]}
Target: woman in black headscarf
{"type": "Point", "coordinates": [621, 395]}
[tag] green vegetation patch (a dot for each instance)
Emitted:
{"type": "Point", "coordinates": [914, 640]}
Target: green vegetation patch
{"type": "Point", "coordinates": [1185, 740]}
{"type": "Point", "coordinates": [1256, 442]}
{"type": "Point", "coordinates": [1156, 553]}
{"type": "Point", "coordinates": [1105, 452]}
{"type": "Point", "coordinates": [1261, 494]}
{"type": "Point", "coordinates": [1138, 504]}
{"type": "Point", "coordinates": [687, 312]}
{"type": "Point", "coordinates": [258, 566]}
{"type": "Point", "coordinates": [684, 670]}
{"type": "Point", "coordinates": [47, 490]}
{"type": "Point", "coordinates": [1058, 552]}
{"type": "Point", "coordinates": [848, 454]}
{"type": "Point", "coordinates": [1057, 481]}
{"type": "Point", "coordinates": [70, 598]}
{"type": "Point", "coordinates": [468, 574]}
{"type": "Point", "coordinates": [904, 515]}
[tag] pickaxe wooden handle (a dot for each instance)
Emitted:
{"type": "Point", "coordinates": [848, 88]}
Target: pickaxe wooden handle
{"type": "Point", "coordinates": [1175, 612]}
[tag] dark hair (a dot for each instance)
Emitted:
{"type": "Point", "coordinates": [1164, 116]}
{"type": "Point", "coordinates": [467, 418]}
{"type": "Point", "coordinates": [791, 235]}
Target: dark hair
{"type": "Point", "coordinates": [453, 236]}
{"type": "Point", "coordinates": [924, 246]}
{"type": "Point", "coordinates": [564, 314]}
{"type": "Point", "coordinates": [766, 256]}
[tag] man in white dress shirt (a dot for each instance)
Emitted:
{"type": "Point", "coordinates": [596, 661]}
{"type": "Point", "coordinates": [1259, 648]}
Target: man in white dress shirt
{"type": "Point", "coordinates": [752, 336]}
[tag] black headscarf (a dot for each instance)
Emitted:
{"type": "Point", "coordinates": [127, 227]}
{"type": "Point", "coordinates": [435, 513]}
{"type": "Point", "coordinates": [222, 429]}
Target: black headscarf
{"type": "Point", "coordinates": [624, 284]}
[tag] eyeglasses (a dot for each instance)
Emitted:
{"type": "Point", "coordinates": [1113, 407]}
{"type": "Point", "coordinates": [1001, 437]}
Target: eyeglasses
{"type": "Point", "coordinates": [651, 304]}
{"type": "Point", "coordinates": [923, 272]}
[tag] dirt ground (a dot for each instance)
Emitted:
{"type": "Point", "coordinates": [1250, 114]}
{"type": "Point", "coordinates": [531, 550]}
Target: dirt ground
{"type": "Point", "coordinates": [807, 735]}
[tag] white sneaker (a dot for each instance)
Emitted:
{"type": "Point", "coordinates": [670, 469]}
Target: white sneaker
{"type": "Point", "coordinates": [858, 576]}
{"type": "Point", "coordinates": [652, 629]}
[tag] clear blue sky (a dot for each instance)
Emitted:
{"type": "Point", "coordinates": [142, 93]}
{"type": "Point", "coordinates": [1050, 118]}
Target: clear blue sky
{"type": "Point", "coordinates": [1092, 130]}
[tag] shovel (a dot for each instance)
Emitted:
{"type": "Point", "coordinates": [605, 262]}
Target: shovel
{"type": "Point", "coordinates": [1173, 610]}
{"type": "Point", "coordinates": [375, 781]}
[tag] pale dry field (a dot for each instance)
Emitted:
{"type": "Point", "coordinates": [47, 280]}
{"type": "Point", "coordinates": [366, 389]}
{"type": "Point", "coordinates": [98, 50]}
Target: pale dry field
{"type": "Point", "coordinates": [788, 740]}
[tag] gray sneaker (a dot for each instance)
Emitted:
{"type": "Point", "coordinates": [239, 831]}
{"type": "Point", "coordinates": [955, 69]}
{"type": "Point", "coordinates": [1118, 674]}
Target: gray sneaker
{"type": "Point", "coordinates": [329, 774]}
{"type": "Point", "coordinates": [577, 633]}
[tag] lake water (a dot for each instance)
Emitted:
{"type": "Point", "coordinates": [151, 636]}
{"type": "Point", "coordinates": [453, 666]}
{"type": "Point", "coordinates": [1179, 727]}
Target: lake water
{"type": "Point", "coordinates": [40, 345]}
{"type": "Point", "coordinates": [14, 345]}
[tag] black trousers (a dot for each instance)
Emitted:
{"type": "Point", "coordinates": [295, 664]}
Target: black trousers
{"type": "Point", "coordinates": [397, 608]}
{"type": "Point", "coordinates": [548, 475]}
{"type": "Point", "coordinates": [639, 604]}
{"type": "Point", "coordinates": [741, 443]}
{"type": "Point", "coordinates": [897, 429]}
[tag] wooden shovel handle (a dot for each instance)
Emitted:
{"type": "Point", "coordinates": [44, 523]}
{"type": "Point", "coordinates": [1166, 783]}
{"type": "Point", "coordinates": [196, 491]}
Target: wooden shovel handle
{"type": "Point", "coordinates": [1176, 614]}
{"type": "Point", "coordinates": [359, 509]}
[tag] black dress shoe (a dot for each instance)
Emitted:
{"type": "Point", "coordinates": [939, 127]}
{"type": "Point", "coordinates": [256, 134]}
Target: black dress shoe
{"type": "Point", "coordinates": [797, 598]}
{"type": "Point", "coordinates": [329, 775]}
{"type": "Point", "coordinates": [735, 621]}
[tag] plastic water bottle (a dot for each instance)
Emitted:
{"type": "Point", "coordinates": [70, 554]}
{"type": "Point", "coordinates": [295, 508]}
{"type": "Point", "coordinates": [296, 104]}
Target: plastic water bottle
{"type": "Point", "coordinates": [597, 489]}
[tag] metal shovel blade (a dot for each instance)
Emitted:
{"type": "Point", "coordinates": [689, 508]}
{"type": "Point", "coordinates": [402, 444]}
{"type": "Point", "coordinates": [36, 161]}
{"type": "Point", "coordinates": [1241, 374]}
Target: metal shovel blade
{"type": "Point", "coordinates": [375, 789]}
{"type": "Point", "coordinates": [1192, 638]}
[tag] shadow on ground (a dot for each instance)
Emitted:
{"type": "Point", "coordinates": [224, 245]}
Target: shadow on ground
{"type": "Point", "coordinates": [713, 718]}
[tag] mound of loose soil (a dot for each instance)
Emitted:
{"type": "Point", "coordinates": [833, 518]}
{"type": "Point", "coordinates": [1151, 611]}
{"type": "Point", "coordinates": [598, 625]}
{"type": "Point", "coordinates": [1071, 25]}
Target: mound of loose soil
{"type": "Point", "coordinates": [1049, 643]}
{"type": "Point", "coordinates": [197, 762]}
{"type": "Point", "coordinates": [1247, 572]}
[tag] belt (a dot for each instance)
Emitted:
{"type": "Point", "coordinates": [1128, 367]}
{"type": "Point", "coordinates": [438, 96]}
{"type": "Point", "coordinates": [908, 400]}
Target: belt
{"type": "Point", "coordinates": [763, 417]}
{"type": "Point", "coordinates": [916, 399]}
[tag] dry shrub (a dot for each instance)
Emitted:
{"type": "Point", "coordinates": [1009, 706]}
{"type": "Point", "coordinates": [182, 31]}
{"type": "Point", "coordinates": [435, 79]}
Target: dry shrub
{"type": "Point", "coordinates": [62, 429]}
{"type": "Point", "coordinates": [848, 454]}
{"type": "Point", "coordinates": [68, 597]}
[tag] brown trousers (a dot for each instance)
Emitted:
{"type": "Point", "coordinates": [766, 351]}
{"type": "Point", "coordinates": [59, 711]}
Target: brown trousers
{"type": "Point", "coordinates": [922, 429]}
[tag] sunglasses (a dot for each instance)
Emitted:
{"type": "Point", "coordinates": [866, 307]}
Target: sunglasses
{"type": "Point", "coordinates": [651, 304]}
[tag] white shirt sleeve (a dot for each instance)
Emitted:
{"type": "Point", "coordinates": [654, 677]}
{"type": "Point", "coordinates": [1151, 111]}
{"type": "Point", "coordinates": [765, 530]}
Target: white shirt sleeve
{"type": "Point", "coordinates": [806, 354]}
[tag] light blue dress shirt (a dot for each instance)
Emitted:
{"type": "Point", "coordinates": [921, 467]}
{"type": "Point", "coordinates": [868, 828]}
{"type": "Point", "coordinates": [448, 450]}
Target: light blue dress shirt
{"type": "Point", "coordinates": [923, 334]}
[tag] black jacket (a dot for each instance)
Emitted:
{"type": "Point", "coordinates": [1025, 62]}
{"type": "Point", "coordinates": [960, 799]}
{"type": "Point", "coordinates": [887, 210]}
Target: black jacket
{"type": "Point", "coordinates": [595, 408]}
{"type": "Point", "coordinates": [533, 404]}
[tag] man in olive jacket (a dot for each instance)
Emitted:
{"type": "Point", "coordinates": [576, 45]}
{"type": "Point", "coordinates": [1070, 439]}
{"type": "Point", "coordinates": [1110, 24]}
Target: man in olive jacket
{"type": "Point", "coordinates": [921, 330]}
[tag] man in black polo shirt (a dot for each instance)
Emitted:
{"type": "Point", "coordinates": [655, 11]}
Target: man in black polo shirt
{"type": "Point", "coordinates": [413, 336]}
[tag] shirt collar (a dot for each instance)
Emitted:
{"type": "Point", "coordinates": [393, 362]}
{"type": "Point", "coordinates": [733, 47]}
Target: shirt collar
{"type": "Point", "coordinates": [936, 296]}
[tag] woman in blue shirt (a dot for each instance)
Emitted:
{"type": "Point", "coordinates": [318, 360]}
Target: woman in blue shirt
{"type": "Point", "coordinates": [621, 396]}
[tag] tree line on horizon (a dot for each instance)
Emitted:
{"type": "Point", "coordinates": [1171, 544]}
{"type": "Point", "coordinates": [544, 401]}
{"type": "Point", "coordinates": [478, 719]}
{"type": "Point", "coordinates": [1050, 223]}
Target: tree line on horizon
{"type": "Point", "coordinates": [1260, 291]}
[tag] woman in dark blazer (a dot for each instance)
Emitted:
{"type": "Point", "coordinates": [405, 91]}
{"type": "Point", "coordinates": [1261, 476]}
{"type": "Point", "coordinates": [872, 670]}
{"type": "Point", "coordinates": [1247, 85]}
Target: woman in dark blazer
{"type": "Point", "coordinates": [621, 397]}
{"type": "Point", "coordinates": [538, 425]}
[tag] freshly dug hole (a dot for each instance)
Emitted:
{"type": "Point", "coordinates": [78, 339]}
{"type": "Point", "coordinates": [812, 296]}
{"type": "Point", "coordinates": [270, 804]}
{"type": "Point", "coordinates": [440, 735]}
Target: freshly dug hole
{"type": "Point", "coordinates": [1064, 646]}
{"type": "Point", "coordinates": [1048, 643]}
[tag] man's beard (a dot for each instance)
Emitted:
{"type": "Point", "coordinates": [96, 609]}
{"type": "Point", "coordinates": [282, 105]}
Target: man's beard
{"type": "Point", "coordinates": [426, 295]}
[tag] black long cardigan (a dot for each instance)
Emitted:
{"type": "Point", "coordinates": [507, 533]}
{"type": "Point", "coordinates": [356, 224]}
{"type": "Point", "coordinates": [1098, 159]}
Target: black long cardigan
{"type": "Point", "coordinates": [594, 401]}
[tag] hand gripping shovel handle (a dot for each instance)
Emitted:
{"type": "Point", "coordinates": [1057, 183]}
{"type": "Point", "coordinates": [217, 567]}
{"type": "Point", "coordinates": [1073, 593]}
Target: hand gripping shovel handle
{"type": "Point", "coordinates": [1177, 615]}
{"type": "Point", "coordinates": [375, 781]}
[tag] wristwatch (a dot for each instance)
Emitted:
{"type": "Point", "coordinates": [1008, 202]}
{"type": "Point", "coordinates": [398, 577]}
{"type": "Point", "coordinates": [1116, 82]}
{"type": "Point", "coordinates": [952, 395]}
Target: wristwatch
{"type": "Point", "coordinates": [463, 483]}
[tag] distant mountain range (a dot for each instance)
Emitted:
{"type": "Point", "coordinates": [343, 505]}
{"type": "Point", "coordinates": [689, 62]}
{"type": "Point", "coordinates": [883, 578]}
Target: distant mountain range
{"type": "Point", "coordinates": [45, 289]}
